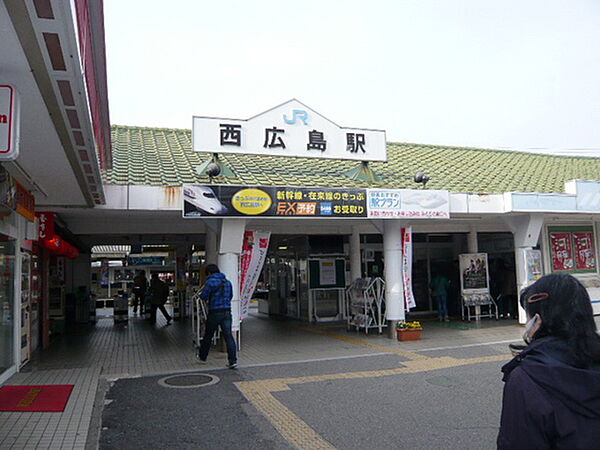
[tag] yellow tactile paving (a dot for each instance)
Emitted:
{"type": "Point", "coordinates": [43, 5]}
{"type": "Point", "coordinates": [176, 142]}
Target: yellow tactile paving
{"type": "Point", "coordinates": [297, 432]}
{"type": "Point", "coordinates": [364, 343]}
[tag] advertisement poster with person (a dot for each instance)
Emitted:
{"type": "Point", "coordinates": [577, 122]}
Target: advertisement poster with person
{"type": "Point", "coordinates": [533, 264]}
{"type": "Point", "coordinates": [474, 273]}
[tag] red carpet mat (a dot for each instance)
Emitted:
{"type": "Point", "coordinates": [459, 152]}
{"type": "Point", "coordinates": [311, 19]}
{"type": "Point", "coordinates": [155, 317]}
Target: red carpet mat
{"type": "Point", "coordinates": [46, 398]}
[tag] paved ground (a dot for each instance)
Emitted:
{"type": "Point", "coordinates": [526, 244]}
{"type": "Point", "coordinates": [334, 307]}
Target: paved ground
{"type": "Point", "coordinates": [453, 408]}
{"type": "Point", "coordinates": [297, 386]}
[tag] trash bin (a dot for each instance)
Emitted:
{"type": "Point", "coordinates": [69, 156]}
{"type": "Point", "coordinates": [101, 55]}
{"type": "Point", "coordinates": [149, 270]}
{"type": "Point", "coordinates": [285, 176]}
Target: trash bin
{"type": "Point", "coordinates": [121, 307]}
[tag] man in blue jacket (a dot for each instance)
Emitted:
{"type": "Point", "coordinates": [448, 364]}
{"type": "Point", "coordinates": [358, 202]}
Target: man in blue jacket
{"type": "Point", "coordinates": [218, 293]}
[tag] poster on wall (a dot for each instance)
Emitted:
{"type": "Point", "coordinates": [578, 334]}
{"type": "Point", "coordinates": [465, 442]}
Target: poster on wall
{"type": "Point", "coordinates": [561, 251]}
{"type": "Point", "coordinates": [409, 298]}
{"type": "Point", "coordinates": [254, 254]}
{"type": "Point", "coordinates": [327, 273]}
{"type": "Point", "coordinates": [585, 256]}
{"type": "Point", "coordinates": [474, 273]}
{"type": "Point", "coordinates": [533, 264]}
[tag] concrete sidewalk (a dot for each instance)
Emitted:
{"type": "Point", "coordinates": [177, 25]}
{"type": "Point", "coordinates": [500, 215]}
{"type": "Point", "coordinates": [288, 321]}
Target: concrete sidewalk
{"type": "Point", "coordinates": [108, 352]}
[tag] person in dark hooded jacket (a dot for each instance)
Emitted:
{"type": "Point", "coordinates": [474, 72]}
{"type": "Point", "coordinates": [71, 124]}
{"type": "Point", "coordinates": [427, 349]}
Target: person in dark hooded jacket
{"type": "Point", "coordinates": [552, 387]}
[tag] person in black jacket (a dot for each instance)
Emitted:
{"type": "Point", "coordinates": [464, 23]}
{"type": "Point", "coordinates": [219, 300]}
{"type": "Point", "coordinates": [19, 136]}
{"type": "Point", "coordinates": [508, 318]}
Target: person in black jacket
{"type": "Point", "coordinates": [552, 387]}
{"type": "Point", "coordinates": [160, 294]}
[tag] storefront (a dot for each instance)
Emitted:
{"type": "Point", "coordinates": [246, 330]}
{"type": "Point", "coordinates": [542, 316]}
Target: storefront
{"type": "Point", "coordinates": [54, 138]}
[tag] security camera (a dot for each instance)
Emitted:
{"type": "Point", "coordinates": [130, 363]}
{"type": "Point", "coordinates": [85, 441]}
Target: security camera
{"type": "Point", "coordinates": [421, 177]}
{"type": "Point", "coordinates": [213, 169]}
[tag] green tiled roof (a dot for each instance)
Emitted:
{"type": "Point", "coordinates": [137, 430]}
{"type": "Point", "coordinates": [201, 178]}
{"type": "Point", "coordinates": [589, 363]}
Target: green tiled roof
{"type": "Point", "coordinates": [163, 157]}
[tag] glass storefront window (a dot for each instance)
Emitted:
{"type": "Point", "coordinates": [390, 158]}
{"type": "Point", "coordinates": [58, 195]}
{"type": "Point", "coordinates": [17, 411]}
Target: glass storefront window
{"type": "Point", "coordinates": [7, 318]}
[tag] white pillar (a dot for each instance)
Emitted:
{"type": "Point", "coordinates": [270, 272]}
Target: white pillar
{"type": "Point", "coordinates": [230, 247]}
{"type": "Point", "coordinates": [473, 247]}
{"type": "Point", "coordinates": [210, 249]}
{"type": "Point", "coordinates": [355, 261]}
{"type": "Point", "coordinates": [229, 265]}
{"type": "Point", "coordinates": [526, 229]}
{"type": "Point", "coordinates": [394, 285]}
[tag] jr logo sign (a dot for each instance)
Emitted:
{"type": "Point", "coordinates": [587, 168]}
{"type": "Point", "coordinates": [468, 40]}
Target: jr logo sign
{"type": "Point", "coordinates": [297, 114]}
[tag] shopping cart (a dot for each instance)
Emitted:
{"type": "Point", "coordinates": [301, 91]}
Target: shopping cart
{"type": "Point", "coordinates": [199, 317]}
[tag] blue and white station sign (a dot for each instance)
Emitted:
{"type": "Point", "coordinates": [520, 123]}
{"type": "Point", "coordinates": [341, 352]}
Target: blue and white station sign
{"type": "Point", "coordinates": [290, 129]}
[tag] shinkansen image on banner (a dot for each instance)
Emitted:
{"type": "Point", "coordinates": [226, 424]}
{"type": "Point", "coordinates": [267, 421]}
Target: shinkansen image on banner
{"type": "Point", "coordinates": [227, 201]}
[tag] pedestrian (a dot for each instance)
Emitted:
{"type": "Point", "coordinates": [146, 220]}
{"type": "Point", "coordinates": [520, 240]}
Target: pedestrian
{"type": "Point", "coordinates": [218, 293]}
{"type": "Point", "coordinates": [160, 293]}
{"type": "Point", "coordinates": [439, 289]}
{"type": "Point", "coordinates": [552, 387]}
{"type": "Point", "coordinates": [140, 285]}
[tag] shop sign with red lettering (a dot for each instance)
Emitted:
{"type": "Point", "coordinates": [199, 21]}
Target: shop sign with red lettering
{"type": "Point", "coordinates": [9, 120]}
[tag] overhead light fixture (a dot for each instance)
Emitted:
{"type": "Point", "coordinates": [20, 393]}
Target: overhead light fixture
{"type": "Point", "coordinates": [282, 247]}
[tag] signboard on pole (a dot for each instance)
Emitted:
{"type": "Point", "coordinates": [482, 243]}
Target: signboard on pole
{"type": "Point", "coordinates": [290, 129]}
{"type": "Point", "coordinates": [9, 121]}
{"type": "Point", "coordinates": [254, 254]}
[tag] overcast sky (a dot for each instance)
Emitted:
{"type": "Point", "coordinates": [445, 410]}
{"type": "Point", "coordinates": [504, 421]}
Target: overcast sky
{"type": "Point", "coordinates": [507, 73]}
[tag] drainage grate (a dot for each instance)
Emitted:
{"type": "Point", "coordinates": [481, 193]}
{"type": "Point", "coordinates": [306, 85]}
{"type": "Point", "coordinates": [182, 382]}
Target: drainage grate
{"type": "Point", "coordinates": [188, 380]}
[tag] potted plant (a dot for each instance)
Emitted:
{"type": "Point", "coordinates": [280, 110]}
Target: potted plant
{"type": "Point", "coordinates": [409, 331]}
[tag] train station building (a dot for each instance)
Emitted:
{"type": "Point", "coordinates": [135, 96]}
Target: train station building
{"type": "Point", "coordinates": [331, 204]}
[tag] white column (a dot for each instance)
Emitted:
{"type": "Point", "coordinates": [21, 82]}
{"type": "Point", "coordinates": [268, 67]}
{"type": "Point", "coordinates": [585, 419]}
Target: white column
{"type": "Point", "coordinates": [394, 285]}
{"type": "Point", "coordinates": [526, 229]}
{"type": "Point", "coordinates": [473, 247]}
{"type": "Point", "coordinates": [355, 261]}
{"type": "Point", "coordinates": [230, 247]}
{"type": "Point", "coordinates": [210, 249]}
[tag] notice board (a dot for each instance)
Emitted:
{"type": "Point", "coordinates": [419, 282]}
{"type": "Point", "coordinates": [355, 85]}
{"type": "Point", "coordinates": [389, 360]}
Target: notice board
{"type": "Point", "coordinates": [327, 273]}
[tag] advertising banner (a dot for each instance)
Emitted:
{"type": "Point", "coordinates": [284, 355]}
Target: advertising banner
{"type": "Point", "coordinates": [272, 201]}
{"type": "Point", "coordinates": [474, 273]}
{"type": "Point", "coordinates": [45, 225]}
{"type": "Point", "coordinates": [585, 256]}
{"type": "Point", "coordinates": [14, 196]}
{"type": "Point", "coordinates": [408, 203]}
{"type": "Point", "coordinates": [407, 253]}
{"type": "Point", "coordinates": [533, 265]}
{"type": "Point", "coordinates": [561, 251]}
{"type": "Point", "coordinates": [254, 253]}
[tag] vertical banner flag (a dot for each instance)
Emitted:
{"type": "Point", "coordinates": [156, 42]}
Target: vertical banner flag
{"type": "Point", "coordinates": [409, 298]}
{"type": "Point", "coordinates": [254, 253]}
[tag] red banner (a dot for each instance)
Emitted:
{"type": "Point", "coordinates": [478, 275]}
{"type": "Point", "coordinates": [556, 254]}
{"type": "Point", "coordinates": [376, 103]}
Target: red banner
{"type": "Point", "coordinates": [45, 225]}
{"type": "Point", "coordinates": [585, 257]}
{"type": "Point", "coordinates": [561, 250]}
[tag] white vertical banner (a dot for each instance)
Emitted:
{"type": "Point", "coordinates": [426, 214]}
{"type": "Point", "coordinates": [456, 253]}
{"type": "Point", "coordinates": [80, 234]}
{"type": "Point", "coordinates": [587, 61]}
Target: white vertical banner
{"type": "Point", "coordinates": [254, 254]}
{"type": "Point", "coordinates": [409, 298]}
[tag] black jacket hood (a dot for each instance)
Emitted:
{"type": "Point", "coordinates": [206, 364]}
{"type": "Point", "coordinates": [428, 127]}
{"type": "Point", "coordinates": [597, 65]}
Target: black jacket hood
{"type": "Point", "coordinates": [549, 363]}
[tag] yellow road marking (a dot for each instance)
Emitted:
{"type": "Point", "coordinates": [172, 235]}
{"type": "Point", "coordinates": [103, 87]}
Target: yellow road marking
{"type": "Point", "coordinates": [297, 432]}
{"type": "Point", "coordinates": [363, 343]}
